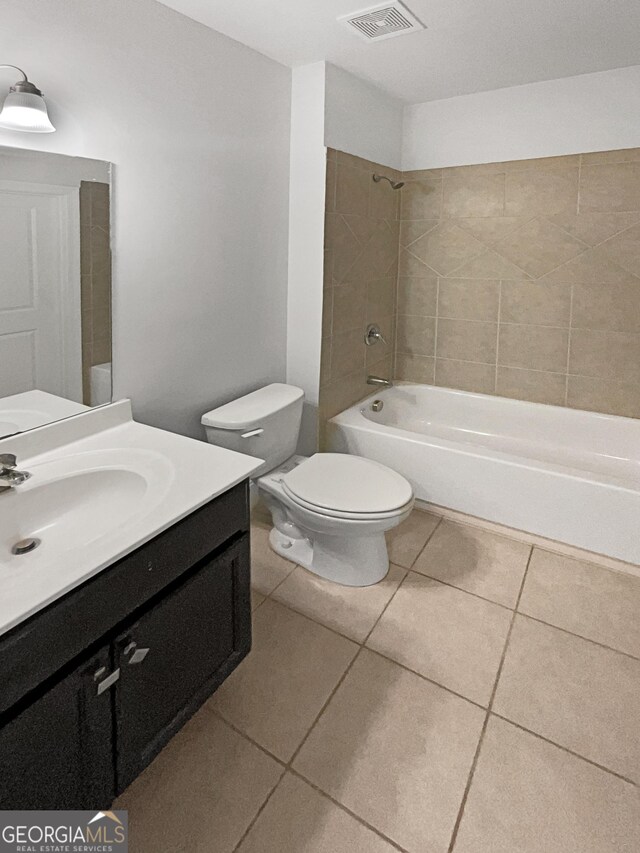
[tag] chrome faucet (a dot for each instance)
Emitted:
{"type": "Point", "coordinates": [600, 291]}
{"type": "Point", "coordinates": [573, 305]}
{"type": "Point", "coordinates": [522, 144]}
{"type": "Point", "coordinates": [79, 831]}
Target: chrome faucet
{"type": "Point", "coordinates": [9, 476]}
{"type": "Point", "coordinates": [377, 380]}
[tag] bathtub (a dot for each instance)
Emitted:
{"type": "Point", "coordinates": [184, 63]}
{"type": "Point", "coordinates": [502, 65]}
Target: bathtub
{"type": "Point", "coordinates": [564, 474]}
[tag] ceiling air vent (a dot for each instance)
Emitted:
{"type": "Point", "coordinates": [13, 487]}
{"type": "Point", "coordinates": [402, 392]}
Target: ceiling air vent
{"type": "Point", "coordinates": [382, 22]}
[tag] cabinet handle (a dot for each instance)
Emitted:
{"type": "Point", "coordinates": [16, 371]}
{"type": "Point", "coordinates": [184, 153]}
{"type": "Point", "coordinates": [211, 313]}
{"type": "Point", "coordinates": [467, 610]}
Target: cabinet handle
{"type": "Point", "coordinates": [107, 682]}
{"type": "Point", "coordinates": [137, 655]}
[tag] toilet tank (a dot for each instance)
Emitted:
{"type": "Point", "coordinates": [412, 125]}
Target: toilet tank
{"type": "Point", "coordinates": [265, 424]}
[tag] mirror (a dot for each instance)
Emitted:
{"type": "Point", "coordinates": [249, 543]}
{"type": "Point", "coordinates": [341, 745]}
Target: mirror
{"type": "Point", "coordinates": [55, 287]}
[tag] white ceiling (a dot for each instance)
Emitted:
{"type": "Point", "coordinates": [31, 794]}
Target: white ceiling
{"type": "Point", "coordinates": [469, 46]}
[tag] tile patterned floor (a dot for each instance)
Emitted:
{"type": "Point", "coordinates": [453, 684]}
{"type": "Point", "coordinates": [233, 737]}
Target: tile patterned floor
{"type": "Point", "coordinates": [484, 698]}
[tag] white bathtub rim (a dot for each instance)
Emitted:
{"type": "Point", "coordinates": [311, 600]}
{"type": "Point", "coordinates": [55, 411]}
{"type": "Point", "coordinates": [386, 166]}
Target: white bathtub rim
{"type": "Point", "coordinates": [353, 417]}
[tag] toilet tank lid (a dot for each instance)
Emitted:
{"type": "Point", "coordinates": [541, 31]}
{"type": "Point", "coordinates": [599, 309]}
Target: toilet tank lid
{"type": "Point", "coordinates": [248, 411]}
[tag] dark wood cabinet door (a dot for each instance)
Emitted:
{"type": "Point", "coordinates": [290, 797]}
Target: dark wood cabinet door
{"type": "Point", "coordinates": [177, 653]}
{"type": "Point", "coordinates": [57, 753]}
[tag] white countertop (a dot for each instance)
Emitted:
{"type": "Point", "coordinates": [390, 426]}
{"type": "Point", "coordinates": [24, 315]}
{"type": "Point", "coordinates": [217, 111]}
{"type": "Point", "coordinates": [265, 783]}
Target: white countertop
{"type": "Point", "coordinates": [184, 474]}
{"type": "Point", "coordinates": [32, 409]}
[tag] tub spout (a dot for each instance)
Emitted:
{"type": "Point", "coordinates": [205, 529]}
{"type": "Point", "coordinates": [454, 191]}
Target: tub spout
{"type": "Point", "coordinates": [377, 380]}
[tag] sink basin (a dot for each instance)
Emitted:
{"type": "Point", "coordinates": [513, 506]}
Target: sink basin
{"type": "Point", "coordinates": [72, 503]}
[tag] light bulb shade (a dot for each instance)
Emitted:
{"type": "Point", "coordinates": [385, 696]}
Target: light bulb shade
{"type": "Point", "coordinates": [25, 111]}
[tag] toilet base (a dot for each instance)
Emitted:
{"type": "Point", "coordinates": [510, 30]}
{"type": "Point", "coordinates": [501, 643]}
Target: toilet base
{"type": "Point", "coordinates": [351, 561]}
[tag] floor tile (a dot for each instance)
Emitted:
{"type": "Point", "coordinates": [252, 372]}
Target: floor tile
{"type": "Point", "coordinates": [584, 598]}
{"type": "Point", "coordinates": [573, 692]}
{"type": "Point", "coordinates": [351, 610]}
{"type": "Point", "coordinates": [444, 634]}
{"type": "Point", "coordinates": [298, 819]}
{"type": "Point", "coordinates": [407, 540]}
{"type": "Point", "coordinates": [396, 750]}
{"type": "Point", "coordinates": [473, 559]}
{"type": "Point", "coordinates": [202, 791]}
{"type": "Point", "coordinates": [528, 796]}
{"type": "Point", "coordinates": [268, 569]}
{"type": "Point", "coordinates": [278, 690]}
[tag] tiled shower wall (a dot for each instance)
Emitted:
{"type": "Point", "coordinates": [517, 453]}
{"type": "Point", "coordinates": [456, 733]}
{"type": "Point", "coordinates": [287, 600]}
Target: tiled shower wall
{"type": "Point", "coordinates": [361, 266]}
{"type": "Point", "coordinates": [523, 279]}
{"type": "Point", "coordinates": [95, 270]}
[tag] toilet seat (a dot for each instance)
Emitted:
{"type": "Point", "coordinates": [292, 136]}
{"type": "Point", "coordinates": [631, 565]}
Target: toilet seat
{"type": "Point", "coordinates": [343, 486]}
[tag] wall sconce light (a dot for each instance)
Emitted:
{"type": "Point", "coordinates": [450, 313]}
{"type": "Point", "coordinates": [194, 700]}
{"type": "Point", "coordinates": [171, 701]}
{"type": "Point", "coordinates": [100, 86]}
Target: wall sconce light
{"type": "Point", "coordinates": [24, 107]}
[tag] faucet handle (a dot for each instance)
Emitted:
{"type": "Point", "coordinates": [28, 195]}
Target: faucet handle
{"type": "Point", "coordinates": [373, 335]}
{"type": "Point", "coordinates": [8, 461]}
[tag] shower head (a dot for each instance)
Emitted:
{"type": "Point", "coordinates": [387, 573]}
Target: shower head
{"type": "Point", "coordinates": [395, 185]}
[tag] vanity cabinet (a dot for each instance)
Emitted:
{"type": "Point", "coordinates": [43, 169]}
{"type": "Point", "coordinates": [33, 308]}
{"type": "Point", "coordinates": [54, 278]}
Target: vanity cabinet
{"type": "Point", "coordinates": [178, 613]}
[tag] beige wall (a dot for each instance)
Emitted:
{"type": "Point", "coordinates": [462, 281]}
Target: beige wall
{"type": "Point", "coordinates": [361, 259]}
{"type": "Point", "coordinates": [523, 279]}
{"type": "Point", "coordinates": [95, 269]}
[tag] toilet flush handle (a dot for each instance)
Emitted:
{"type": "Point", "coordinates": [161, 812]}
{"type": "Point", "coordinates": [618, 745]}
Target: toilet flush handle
{"type": "Point", "coordinates": [252, 433]}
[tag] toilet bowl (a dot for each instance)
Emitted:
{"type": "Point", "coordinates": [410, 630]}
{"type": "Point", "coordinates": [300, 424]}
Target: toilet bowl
{"type": "Point", "coordinates": [330, 511]}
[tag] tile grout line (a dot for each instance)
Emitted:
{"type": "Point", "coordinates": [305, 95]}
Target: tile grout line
{"type": "Point", "coordinates": [474, 763]}
{"type": "Point", "coordinates": [566, 382]}
{"type": "Point", "coordinates": [578, 636]}
{"type": "Point", "coordinates": [498, 324]}
{"type": "Point", "coordinates": [344, 808]}
{"type": "Point", "coordinates": [565, 749]}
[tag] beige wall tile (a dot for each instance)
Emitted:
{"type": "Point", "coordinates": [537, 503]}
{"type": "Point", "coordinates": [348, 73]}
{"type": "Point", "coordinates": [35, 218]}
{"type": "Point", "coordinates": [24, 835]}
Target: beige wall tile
{"type": "Point", "coordinates": [325, 362]}
{"type": "Point", "coordinates": [411, 266]}
{"type": "Point", "coordinates": [534, 347]}
{"type": "Point", "coordinates": [411, 229]}
{"type": "Point", "coordinates": [276, 693]}
{"type": "Point", "coordinates": [611, 307]}
{"type": "Point", "coordinates": [418, 295]}
{"type": "Point", "coordinates": [467, 340]}
{"type": "Point", "coordinates": [465, 375]}
{"type": "Point", "coordinates": [341, 393]}
{"type": "Point", "coordinates": [384, 201]}
{"type": "Point", "coordinates": [352, 190]}
{"type": "Point", "coordinates": [622, 155]}
{"type": "Point", "coordinates": [585, 599]}
{"type": "Point", "coordinates": [421, 199]}
{"type": "Point", "coordinates": [490, 265]}
{"type": "Point", "coordinates": [475, 560]}
{"type": "Point", "coordinates": [466, 299]}
{"type": "Point", "coordinates": [416, 335]}
{"type": "Point", "coordinates": [539, 247]}
{"type": "Point", "coordinates": [451, 637]}
{"type": "Point", "coordinates": [490, 229]}
{"type": "Point", "coordinates": [347, 353]}
{"type": "Point", "coordinates": [605, 355]}
{"type": "Point", "coordinates": [609, 188]}
{"type": "Point", "coordinates": [382, 716]}
{"type": "Point", "coordinates": [539, 303]}
{"type": "Point", "coordinates": [349, 307]}
{"type": "Point", "coordinates": [573, 692]}
{"type": "Point", "coordinates": [415, 368]}
{"type": "Point", "coordinates": [530, 796]}
{"type": "Point", "coordinates": [541, 191]}
{"type": "Point", "coordinates": [420, 174]}
{"type": "Point", "coordinates": [604, 395]}
{"type": "Point", "coordinates": [381, 298]}
{"type": "Point", "coordinates": [472, 194]}
{"type": "Point", "coordinates": [327, 312]}
{"type": "Point", "coordinates": [544, 164]}
{"type": "Point", "coordinates": [594, 228]}
{"type": "Point", "coordinates": [447, 247]}
{"type": "Point", "coordinates": [537, 386]}
{"type": "Point", "coordinates": [330, 189]}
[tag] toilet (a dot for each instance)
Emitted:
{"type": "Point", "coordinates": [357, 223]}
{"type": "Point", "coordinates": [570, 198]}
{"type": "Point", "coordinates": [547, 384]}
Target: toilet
{"type": "Point", "coordinates": [330, 511]}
